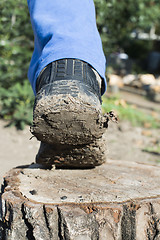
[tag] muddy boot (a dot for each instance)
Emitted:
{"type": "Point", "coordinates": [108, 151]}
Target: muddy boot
{"type": "Point", "coordinates": [67, 156]}
{"type": "Point", "coordinates": [76, 156]}
{"type": "Point", "coordinates": [67, 107]}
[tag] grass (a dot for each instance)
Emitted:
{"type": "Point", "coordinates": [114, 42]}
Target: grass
{"type": "Point", "coordinates": [129, 112]}
{"type": "Point", "coordinates": [154, 150]}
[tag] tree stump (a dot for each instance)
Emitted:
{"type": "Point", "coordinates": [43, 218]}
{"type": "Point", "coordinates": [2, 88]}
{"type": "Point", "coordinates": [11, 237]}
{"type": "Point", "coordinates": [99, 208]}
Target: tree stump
{"type": "Point", "coordinates": [116, 201]}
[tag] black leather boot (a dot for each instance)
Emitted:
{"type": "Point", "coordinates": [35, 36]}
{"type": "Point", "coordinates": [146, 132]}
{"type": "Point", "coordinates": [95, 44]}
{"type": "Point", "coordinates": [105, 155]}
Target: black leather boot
{"type": "Point", "coordinates": [67, 107]}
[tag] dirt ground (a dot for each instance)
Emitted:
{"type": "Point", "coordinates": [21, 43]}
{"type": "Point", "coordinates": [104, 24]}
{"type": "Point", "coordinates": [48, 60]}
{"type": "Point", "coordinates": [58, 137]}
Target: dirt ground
{"type": "Point", "coordinates": [124, 142]}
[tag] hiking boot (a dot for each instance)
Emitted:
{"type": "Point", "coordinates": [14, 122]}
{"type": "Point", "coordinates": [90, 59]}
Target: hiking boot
{"type": "Point", "coordinates": [67, 107]}
{"type": "Point", "coordinates": [76, 156]}
{"type": "Point", "coordinates": [68, 156]}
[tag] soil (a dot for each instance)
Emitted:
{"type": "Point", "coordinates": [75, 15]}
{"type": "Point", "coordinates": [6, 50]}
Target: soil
{"type": "Point", "coordinates": [123, 142]}
{"type": "Point", "coordinates": [73, 118]}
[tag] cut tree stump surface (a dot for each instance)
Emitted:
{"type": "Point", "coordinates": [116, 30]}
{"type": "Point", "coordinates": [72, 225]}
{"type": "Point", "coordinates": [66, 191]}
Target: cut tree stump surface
{"type": "Point", "coordinates": [118, 200]}
{"type": "Point", "coordinates": [112, 182]}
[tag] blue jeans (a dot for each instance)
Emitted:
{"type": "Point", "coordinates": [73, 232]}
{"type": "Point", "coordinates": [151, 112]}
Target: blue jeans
{"type": "Point", "coordinates": [64, 29]}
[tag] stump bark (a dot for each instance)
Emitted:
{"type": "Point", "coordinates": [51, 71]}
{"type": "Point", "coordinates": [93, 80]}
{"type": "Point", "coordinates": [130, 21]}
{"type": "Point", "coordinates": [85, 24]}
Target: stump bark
{"type": "Point", "coordinates": [116, 201]}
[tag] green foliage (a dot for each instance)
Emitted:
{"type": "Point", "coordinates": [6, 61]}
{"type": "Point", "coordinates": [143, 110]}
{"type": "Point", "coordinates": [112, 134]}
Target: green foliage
{"type": "Point", "coordinates": [129, 112]}
{"type": "Point", "coordinates": [117, 19]}
{"type": "Point", "coordinates": [153, 150]}
{"type": "Point", "coordinates": [16, 42]}
{"type": "Point", "coordinates": [16, 104]}
{"type": "Point", "coordinates": [16, 46]}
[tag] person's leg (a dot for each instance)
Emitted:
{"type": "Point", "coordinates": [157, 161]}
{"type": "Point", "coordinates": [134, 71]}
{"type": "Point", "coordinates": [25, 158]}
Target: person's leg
{"type": "Point", "coordinates": [64, 29]}
{"type": "Point", "coordinates": [64, 75]}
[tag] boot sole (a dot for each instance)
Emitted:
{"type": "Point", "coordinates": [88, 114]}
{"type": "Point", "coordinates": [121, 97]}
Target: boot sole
{"type": "Point", "coordinates": [70, 115]}
{"type": "Point", "coordinates": [80, 156]}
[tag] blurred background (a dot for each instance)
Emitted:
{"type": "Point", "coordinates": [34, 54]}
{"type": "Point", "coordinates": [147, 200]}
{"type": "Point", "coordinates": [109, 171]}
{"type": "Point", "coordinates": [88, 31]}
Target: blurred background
{"type": "Point", "coordinates": [130, 32]}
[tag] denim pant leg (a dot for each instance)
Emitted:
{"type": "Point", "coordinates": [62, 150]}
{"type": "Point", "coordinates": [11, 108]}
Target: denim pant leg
{"type": "Point", "coordinates": [64, 29]}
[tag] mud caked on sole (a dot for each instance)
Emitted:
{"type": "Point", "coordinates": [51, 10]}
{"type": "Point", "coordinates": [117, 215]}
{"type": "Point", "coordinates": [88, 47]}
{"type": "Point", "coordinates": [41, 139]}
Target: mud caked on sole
{"type": "Point", "coordinates": [65, 119]}
{"type": "Point", "coordinates": [67, 156]}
